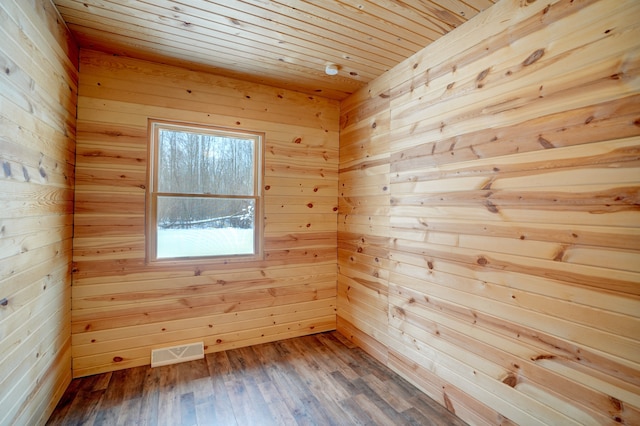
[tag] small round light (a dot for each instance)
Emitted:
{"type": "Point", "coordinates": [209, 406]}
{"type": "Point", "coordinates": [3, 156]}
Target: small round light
{"type": "Point", "coordinates": [331, 69]}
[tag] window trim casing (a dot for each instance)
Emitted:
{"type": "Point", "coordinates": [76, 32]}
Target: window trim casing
{"type": "Point", "coordinates": [151, 195]}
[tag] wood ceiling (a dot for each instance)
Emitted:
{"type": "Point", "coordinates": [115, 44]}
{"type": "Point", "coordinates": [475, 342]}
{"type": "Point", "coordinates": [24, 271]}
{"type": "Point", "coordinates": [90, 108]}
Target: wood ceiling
{"type": "Point", "coordinates": [283, 43]}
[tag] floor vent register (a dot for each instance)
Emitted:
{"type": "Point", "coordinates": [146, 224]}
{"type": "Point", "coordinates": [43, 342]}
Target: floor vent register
{"type": "Point", "coordinates": [176, 354]}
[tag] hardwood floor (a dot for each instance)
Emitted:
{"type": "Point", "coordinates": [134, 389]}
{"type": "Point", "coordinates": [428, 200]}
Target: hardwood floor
{"type": "Point", "coordinates": [313, 380]}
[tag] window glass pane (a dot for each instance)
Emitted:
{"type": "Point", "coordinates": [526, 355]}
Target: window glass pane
{"type": "Point", "coordinates": [194, 227]}
{"type": "Point", "coordinates": [195, 163]}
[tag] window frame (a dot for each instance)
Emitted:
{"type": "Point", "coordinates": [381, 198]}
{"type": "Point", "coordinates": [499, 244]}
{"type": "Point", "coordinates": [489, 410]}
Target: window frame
{"type": "Point", "coordinates": [152, 194]}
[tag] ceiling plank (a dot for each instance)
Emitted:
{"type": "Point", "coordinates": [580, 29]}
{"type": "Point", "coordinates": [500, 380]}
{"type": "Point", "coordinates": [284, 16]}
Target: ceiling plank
{"type": "Point", "coordinates": [283, 43]}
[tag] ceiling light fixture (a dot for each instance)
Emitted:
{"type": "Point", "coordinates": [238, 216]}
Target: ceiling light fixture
{"type": "Point", "coordinates": [331, 69]}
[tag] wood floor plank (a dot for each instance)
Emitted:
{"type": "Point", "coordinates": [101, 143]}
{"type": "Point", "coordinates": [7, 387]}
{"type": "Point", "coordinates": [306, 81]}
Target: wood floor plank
{"type": "Point", "coordinates": [68, 398]}
{"type": "Point", "coordinates": [112, 399]}
{"type": "Point", "coordinates": [372, 398]}
{"type": "Point", "coordinates": [310, 380]}
{"type": "Point", "coordinates": [310, 402]}
{"type": "Point", "coordinates": [383, 391]}
{"type": "Point", "coordinates": [200, 384]}
{"type": "Point", "coordinates": [246, 361]}
{"type": "Point", "coordinates": [333, 353]}
{"type": "Point", "coordinates": [272, 357]}
{"type": "Point", "coordinates": [431, 409]}
{"type": "Point", "coordinates": [188, 410]}
{"type": "Point", "coordinates": [84, 410]}
{"type": "Point", "coordinates": [355, 413]}
{"type": "Point", "coordinates": [415, 417]}
{"type": "Point", "coordinates": [80, 403]}
{"type": "Point", "coordinates": [318, 381]}
{"type": "Point", "coordinates": [150, 397]}
{"type": "Point", "coordinates": [132, 389]}
{"type": "Point", "coordinates": [377, 414]}
{"type": "Point", "coordinates": [169, 398]}
{"type": "Point", "coordinates": [276, 403]}
{"type": "Point", "coordinates": [219, 367]}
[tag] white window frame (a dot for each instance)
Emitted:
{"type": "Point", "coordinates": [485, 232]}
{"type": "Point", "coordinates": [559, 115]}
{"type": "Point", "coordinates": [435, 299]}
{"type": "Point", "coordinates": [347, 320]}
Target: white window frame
{"type": "Point", "coordinates": [152, 194]}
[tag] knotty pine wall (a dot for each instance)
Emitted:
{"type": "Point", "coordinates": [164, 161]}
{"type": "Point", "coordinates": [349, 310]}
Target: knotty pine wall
{"type": "Point", "coordinates": [38, 93]}
{"type": "Point", "coordinates": [123, 308]}
{"type": "Point", "coordinates": [489, 241]}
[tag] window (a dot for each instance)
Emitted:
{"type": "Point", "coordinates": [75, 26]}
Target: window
{"type": "Point", "coordinates": [203, 196]}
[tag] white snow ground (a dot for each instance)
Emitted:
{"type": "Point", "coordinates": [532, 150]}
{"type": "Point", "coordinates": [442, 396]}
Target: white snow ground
{"type": "Point", "coordinates": [204, 242]}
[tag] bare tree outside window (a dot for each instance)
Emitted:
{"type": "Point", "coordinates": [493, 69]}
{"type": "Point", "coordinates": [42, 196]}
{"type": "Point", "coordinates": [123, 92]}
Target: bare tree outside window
{"type": "Point", "coordinates": [203, 196]}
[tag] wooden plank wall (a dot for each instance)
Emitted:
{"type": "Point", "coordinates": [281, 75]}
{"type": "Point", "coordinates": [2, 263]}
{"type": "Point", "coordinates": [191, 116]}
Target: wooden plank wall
{"type": "Point", "coordinates": [38, 94]}
{"type": "Point", "coordinates": [123, 308]}
{"type": "Point", "coordinates": [363, 220]}
{"type": "Point", "coordinates": [499, 269]}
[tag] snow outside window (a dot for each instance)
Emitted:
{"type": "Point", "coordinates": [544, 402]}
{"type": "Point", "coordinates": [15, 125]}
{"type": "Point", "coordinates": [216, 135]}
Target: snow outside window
{"type": "Point", "coordinates": [203, 197]}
